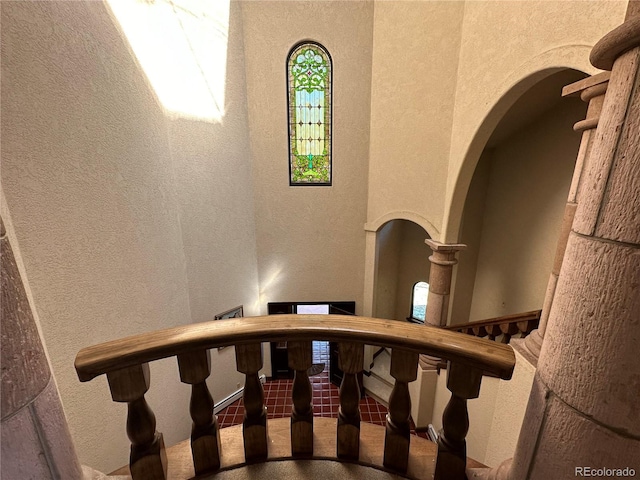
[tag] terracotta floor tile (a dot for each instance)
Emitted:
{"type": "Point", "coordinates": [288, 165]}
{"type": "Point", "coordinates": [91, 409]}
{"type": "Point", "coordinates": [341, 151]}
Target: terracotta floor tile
{"type": "Point", "coordinates": [325, 399]}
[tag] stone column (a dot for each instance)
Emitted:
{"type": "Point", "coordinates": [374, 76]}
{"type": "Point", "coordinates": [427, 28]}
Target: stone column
{"type": "Point", "coordinates": [592, 91]}
{"type": "Point", "coordinates": [584, 407]}
{"type": "Point", "coordinates": [36, 442]}
{"type": "Point", "coordinates": [442, 261]}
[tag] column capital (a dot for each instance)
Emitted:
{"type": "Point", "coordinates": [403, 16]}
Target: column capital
{"type": "Point", "coordinates": [444, 247]}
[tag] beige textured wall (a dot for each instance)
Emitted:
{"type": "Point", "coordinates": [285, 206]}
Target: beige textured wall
{"type": "Point", "coordinates": [214, 189]}
{"type": "Point", "coordinates": [530, 175]}
{"type": "Point", "coordinates": [415, 52]}
{"type": "Point", "coordinates": [534, 36]}
{"type": "Point", "coordinates": [114, 207]}
{"type": "Point", "coordinates": [310, 239]}
{"type": "Point", "coordinates": [388, 242]}
{"type": "Point", "coordinates": [470, 235]}
{"type": "Point", "coordinates": [118, 210]}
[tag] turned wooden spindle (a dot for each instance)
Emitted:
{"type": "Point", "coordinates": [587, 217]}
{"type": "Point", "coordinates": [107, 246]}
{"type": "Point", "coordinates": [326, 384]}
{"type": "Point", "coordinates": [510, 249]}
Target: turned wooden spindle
{"type": "Point", "coordinates": [195, 368]}
{"type": "Point", "coordinates": [254, 426]}
{"type": "Point", "coordinates": [508, 330]}
{"type": "Point", "coordinates": [300, 360]}
{"type": "Point", "coordinates": [404, 368]}
{"type": "Point", "coordinates": [350, 360]}
{"type": "Point", "coordinates": [464, 383]}
{"type": "Point", "coordinates": [148, 460]}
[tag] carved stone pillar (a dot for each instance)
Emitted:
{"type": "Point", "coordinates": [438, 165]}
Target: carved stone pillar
{"type": "Point", "coordinates": [442, 261]}
{"type": "Point", "coordinates": [583, 408]}
{"type": "Point", "coordinates": [36, 442]}
{"type": "Point", "coordinates": [591, 90]}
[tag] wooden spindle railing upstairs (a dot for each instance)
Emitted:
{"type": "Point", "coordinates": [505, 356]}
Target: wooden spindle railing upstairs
{"type": "Point", "coordinates": [507, 326]}
{"type": "Point", "coordinates": [125, 363]}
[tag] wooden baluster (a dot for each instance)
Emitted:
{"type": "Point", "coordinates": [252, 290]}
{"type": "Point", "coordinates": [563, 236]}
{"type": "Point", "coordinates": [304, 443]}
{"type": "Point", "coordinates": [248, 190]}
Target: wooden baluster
{"type": "Point", "coordinates": [527, 326]}
{"type": "Point", "coordinates": [148, 460]}
{"type": "Point", "coordinates": [480, 332]}
{"type": "Point", "coordinates": [350, 359]}
{"type": "Point", "coordinates": [300, 359]}
{"type": "Point", "coordinates": [195, 368]}
{"type": "Point", "coordinates": [404, 368]}
{"type": "Point", "coordinates": [493, 331]}
{"type": "Point", "coordinates": [254, 426]}
{"type": "Point", "coordinates": [464, 383]}
{"type": "Point", "coordinates": [508, 329]}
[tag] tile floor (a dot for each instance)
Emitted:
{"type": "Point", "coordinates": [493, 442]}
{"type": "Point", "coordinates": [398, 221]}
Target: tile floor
{"type": "Point", "coordinates": [325, 401]}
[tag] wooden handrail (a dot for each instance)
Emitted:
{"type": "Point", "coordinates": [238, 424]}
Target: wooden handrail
{"type": "Point", "coordinates": [139, 349]}
{"type": "Point", "coordinates": [126, 365]}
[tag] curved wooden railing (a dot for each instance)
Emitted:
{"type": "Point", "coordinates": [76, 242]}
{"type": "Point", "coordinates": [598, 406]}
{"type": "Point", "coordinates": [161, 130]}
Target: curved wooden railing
{"type": "Point", "coordinates": [507, 326]}
{"type": "Point", "coordinates": [125, 363]}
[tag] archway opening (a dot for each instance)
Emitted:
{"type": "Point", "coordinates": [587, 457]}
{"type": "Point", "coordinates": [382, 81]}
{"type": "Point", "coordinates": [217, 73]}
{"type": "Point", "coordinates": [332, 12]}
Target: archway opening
{"type": "Point", "coordinates": [515, 202]}
{"type": "Point", "coordinates": [402, 260]}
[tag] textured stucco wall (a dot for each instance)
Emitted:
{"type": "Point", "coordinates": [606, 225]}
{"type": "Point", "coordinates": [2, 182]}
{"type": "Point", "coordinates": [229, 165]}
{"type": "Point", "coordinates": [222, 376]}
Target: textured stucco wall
{"type": "Point", "coordinates": [532, 36]}
{"type": "Point", "coordinates": [470, 235]}
{"type": "Point", "coordinates": [214, 189]}
{"type": "Point", "coordinates": [310, 239]}
{"type": "Point", "coordinates": [117, 208]}
{"type": "Point", "coordinates": [529, 180]}
{"type": "Point", "coordinates": [388, 242]}
{"type": "Point", "coordinates": [415, 52]}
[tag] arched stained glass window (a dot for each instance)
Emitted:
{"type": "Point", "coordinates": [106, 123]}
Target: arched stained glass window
{"type": "Point", "coordinates": [309, 84]}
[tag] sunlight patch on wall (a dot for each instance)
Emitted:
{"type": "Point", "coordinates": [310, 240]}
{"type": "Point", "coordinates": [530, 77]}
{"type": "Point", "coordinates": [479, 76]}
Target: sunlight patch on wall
{"type": "Point", "coordinates": [266, 294]}
{"type": "Point", "coordinates": [182, 47]}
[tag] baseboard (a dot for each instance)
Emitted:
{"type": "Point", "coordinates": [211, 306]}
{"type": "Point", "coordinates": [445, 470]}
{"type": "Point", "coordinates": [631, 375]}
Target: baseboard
{"type": "Point", "coordinates": [237, 395]}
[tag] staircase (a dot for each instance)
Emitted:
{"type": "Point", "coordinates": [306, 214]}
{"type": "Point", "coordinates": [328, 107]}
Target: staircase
{"type": "Point", "coordinates": [378, 381]}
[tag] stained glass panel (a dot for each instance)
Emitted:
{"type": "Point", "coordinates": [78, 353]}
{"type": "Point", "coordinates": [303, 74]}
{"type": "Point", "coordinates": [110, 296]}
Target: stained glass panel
{"type": "Point", "coordinates": [309, 84]}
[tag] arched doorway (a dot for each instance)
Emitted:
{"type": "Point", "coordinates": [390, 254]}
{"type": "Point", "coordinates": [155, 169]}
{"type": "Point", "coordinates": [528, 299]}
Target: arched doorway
{"type": "Point", "coordinates": [515, 201]}
{"type": "Point", "coordinates": [402, 260]}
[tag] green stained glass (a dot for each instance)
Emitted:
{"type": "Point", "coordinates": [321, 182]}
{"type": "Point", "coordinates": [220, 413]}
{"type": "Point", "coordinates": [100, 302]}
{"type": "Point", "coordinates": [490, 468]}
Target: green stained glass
{"type": "Point", "coordinates": [309, 85]}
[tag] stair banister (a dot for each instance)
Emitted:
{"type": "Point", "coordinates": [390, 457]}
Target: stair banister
{"type": "Point", "coordinates": [125, 362]}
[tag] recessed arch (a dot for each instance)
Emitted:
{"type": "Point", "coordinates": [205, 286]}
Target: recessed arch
{"type": "Point", "coordinates": [538, 68]}
{"type": "Point", "coordinates": [416, 218]}
{"type": "Point", "coordinates": [515, 200]}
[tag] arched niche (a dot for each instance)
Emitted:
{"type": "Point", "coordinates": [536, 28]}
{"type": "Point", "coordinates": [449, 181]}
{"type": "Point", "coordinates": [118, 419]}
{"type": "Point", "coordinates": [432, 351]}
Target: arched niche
{"type": "Point", "coordinates": [514, 200]}
{"type": "Point", "coordinates": [401, 260]}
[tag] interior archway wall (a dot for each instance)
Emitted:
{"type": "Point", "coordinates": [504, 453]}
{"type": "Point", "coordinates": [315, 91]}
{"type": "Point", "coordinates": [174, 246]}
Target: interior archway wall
{"type": "Point", "coordinates": [402, 259]}
{"type": "Point", "coordinates": [468, 141]}
{"type": "Point", "coordinates": [515, 203]}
